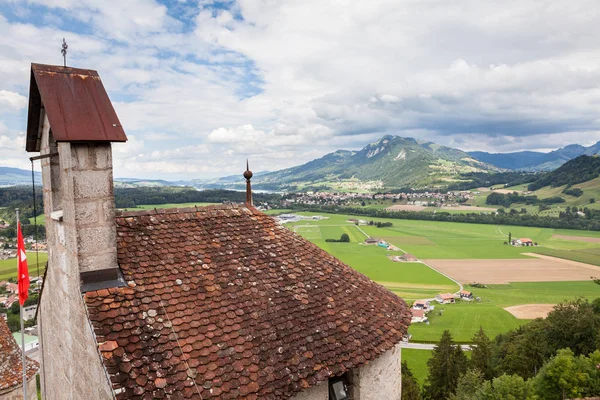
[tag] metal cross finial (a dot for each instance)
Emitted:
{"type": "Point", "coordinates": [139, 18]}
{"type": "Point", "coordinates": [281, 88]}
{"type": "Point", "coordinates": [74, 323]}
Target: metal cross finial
{"type": "Point", "coordinates": [65, 46]}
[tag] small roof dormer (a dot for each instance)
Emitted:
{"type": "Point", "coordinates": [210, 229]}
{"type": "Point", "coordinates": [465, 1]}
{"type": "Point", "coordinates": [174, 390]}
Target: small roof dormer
{"type": "Point", "coordinates": [76, 103]}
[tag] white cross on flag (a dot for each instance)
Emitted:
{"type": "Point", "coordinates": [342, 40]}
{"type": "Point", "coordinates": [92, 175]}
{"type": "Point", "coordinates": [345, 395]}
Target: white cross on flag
{"type": "Point", "coordinates": [22, 267]}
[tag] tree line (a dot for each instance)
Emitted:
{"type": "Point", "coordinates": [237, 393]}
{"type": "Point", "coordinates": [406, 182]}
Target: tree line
{"type": "Point", "coordinates": [21, 197]}
{"type": "Point", "coordinates": [553, 358]}
{"type": "Point", "coordinates": [506, 200]}
{"type": "Point", "coordinates": [590, 222]}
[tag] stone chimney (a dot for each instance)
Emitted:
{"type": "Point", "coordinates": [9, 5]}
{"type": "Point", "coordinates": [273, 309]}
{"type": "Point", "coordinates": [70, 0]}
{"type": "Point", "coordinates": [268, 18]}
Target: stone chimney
{"type": "Point", "coordinates": [72, 123]}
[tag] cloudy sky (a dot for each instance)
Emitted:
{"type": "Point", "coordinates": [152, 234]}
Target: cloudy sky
{"type": "Point", "coordinates": [201, 85]}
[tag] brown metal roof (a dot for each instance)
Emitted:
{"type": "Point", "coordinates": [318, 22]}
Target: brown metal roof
{"type": "Point", "coordinates": [76, 103]}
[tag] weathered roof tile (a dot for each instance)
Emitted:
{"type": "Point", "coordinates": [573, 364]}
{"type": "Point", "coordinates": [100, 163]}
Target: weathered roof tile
{"type": "Point", "coordinates": [225, 303]}
{"type": "Point", "coordinates": [11, 368]}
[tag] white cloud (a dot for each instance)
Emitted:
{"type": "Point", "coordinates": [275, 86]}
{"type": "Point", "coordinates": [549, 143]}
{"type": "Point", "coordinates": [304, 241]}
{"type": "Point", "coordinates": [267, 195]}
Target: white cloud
{"type": "Point", "coordinates": [11, 101]}
{"type": "Point", "coordinates": [283, 82]}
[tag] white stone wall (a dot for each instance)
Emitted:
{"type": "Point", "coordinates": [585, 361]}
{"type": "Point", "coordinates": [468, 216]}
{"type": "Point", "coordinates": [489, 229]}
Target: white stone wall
{"type": "Point", "coordinates": [16, 393]}
{"type": "Point", "coordinates": [71, 364]}
{"type": "Point", "coordinates": [380, 378]}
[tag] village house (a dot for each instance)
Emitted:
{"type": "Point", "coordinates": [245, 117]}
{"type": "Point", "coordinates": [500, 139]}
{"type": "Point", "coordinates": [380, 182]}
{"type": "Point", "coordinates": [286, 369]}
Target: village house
{"type": "Point", "coordinates": [217, 302]}
{"type": "Point", "coordinates": [418, 316]}
{"type": "Point", "coordinates": [29, 312]}
{"type": "Point", "coordinates": [466, 295]}
{"type": "Point", "coordinates": [424, 305]}
{"type": "Point", "coordinates": [408, 258]}
{"type": "Point", "coordinates": [445, 298]}
{"type": "Point", "coordinates": [522, 242]}
{"type": "Point", "coordinates": [11, 368]}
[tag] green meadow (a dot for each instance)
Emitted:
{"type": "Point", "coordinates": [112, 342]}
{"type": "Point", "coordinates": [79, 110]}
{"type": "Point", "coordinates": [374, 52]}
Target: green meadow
{"type": "Point", "coordinates": [449, 240]}
{"type": "Point", "coordinates": [8, 268]}
{"type": "Point", "coordinates": [417, 362]}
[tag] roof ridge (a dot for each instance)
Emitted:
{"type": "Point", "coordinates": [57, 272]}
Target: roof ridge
{"type": "Point", "coordinates": [178, 210]}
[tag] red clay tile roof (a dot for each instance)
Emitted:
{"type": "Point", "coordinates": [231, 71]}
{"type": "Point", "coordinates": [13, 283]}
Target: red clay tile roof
{"type": "Point", "coordinates": [225, 303]}
{"type": "Point", "coordinates": [11, 369]}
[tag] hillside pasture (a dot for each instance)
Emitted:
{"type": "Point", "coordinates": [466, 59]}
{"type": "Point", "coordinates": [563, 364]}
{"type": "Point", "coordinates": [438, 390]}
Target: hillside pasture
{"type": "Point", "coordinates": [463, 320]}
{"type": "Point", "coordinates": [8, 268]}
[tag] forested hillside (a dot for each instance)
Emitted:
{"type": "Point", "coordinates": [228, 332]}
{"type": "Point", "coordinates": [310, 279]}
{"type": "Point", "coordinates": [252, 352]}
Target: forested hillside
{"type": "Point", "coordinates": [578, 170]}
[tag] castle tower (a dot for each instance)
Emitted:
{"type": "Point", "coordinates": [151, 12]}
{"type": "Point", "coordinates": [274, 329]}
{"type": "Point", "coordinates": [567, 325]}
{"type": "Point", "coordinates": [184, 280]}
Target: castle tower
{"type": "Point", "coordinates": [72, 123]}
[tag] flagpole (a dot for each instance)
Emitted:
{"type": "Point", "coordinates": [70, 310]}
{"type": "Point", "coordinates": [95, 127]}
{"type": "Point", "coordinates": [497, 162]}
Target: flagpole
{"type": "Point", "coordinates": [21, 318]}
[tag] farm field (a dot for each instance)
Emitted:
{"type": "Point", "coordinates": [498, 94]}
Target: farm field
{"type": "Point", "coordinates": [458, 244]}
{"type": "Point", "coordinates": [506, 271]}
{"type": "Point", "coordinates": [8, 268]}
{"type": "Point", "coordinates": [463, 319]}
{"type": "Point", "coordinates": [589, 256]}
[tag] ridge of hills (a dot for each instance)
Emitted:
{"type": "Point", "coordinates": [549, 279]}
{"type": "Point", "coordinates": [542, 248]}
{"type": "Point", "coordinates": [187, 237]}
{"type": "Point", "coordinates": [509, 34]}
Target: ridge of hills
{"type": "Point", "coordinates": [390, 162]}
{"type": "Point", "coordinates": [536, 161]}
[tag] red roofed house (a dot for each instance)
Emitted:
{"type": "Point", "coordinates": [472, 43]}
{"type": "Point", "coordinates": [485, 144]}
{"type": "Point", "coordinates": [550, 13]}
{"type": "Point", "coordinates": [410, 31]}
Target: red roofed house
{"type": "Point", "coordinates": [523, 242]}
{"type": "Point", "coordinates": [418, 315]}
{"type": "Point", "coordinates": [421, 305]}
{"type": "Point", "coordinates": [11, 368]}
{"type": "Point", "coordinates": [445, 298]}
{"type": "Point", "coordinates": [217, 302]}
{"type": "Point", "coordinates": [466, 295]}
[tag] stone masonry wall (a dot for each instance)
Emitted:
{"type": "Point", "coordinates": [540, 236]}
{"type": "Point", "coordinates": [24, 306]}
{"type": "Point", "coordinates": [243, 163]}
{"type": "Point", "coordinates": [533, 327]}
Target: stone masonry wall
{"type": "Point", "coordinates": [17, 392]}
{"type": "Point", "coordinates": [71, 365]}
{"type": "Point", "coordinates": [377, 380]}
{"type": "Point", "coordinates": [380, 378]}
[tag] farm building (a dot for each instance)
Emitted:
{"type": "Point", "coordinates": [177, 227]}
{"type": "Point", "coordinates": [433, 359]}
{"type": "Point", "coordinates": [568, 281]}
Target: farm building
{"type": "Point", "coordinates": [522, 242]}
{"type": "Point", "coordinates": [466, 295]}
{"type": "Point", "coordinates": [371, 241]}
{"type": "Point", "coordinates": [418, 316]}
{"type": "Point", "coordinates": [421, 305]}
{"type": "Point", "coordinates": [217, 302]}
{"type": "Point", "coordinates": [445, 298]}
{"type": "Point", "coordinates": [408, 257]}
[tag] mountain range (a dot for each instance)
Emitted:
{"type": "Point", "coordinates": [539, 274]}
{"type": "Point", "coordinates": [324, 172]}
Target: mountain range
{"type": "Point", "coordinates": [390, 162]}
{"type": "Point", "coordinates": [15, 176]}
{"type": "Point", "coordinates": [536, 161]}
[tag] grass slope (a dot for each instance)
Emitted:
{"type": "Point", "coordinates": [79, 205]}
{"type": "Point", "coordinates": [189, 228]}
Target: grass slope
{"type": "Point", "coordinates": [8, 268]}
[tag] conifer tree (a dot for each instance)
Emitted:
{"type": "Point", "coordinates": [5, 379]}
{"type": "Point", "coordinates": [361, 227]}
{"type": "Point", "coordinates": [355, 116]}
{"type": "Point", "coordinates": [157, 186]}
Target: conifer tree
{"type": "Point", "coordinates": [481, 354]}
{"type": "Point", "coordinates": [446, 364]}
{"type": "Point", "coordinates": [410, 387]}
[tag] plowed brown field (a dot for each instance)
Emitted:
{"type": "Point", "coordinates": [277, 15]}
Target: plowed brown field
{"type": "Point", "coordinates": [548, 269]}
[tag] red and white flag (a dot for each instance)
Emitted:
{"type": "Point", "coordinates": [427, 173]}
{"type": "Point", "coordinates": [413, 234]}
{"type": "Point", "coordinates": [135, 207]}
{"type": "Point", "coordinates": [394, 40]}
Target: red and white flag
{"type": "Point", "coordinates": [22, 267]}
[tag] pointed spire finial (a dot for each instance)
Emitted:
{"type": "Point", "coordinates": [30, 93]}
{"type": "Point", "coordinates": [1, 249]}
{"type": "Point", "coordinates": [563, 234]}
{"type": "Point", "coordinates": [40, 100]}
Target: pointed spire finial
{"type": "Point", "coordinates": [248, 176]}
{"type": "Point", "coordinates": [65, 46]}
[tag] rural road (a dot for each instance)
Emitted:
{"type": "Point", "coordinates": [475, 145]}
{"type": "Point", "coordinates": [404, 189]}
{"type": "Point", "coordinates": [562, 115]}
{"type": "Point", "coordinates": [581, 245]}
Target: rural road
{"type": "Point", "coordinates": [427, 346]}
